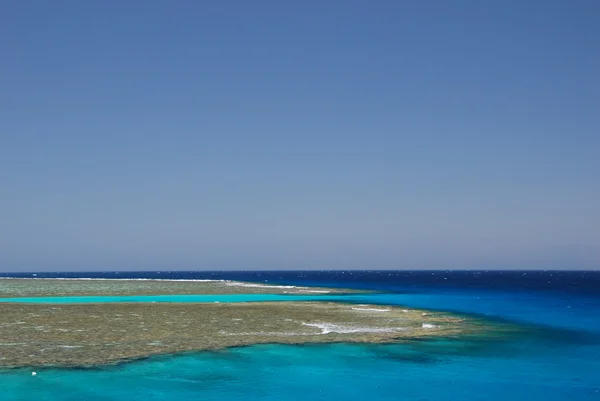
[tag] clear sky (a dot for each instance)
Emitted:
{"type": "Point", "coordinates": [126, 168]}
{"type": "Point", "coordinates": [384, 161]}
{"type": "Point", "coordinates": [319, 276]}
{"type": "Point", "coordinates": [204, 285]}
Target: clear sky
{"type": "Point", "coordinates": [299, 134]}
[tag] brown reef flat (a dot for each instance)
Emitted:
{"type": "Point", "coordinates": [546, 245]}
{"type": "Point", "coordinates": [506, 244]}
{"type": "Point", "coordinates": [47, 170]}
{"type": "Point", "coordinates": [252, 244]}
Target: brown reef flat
{"type": "Point", "coordinates": [15, 287]}
{"type": "Point", "coordinates": [99, 334]}
{"type": "Point", "coordinates": [94, 334]}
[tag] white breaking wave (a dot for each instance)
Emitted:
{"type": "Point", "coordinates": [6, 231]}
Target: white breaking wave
{"type": "Point", "coordinates": [429, 326]}
{"type": "Point", "coordinates": [371, 309]}
{"type": "Point", "coordinates": [242, 284]}
{"type": "Point", "coordinates": [344, 329]}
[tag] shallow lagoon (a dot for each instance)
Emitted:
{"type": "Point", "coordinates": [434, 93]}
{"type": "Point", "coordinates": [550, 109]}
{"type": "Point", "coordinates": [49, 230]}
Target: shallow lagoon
{"type": "Point", "coordinates": [179, 298]}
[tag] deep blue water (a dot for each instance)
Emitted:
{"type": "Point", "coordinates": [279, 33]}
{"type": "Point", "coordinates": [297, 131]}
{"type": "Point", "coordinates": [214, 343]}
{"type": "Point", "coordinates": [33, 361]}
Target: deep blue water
{"type": "Point", "coordinates": [559, 359]}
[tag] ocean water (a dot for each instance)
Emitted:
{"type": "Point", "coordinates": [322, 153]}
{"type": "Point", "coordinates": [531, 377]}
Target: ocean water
{"type": "Point", "coordinates": [558, 359]}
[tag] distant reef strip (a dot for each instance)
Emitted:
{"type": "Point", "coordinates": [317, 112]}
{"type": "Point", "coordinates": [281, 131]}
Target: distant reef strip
{"type": "Point", "coordinates": [52, 287]}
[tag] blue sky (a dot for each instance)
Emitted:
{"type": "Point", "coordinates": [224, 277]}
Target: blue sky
{"type": "Point", "coordinates": [299, 135]}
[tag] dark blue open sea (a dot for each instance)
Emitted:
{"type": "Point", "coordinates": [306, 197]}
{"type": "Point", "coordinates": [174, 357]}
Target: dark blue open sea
{"type": "Point", "coordinates": [557, 358]}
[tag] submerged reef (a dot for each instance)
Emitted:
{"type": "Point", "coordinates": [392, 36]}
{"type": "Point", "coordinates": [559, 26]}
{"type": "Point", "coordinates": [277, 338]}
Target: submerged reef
{"type": "Point", "coordinates": [94, 334]}
{"type": "Point", "coordinates": [47, 287]}
{"type": "Point", "coordinates": [100, 334]}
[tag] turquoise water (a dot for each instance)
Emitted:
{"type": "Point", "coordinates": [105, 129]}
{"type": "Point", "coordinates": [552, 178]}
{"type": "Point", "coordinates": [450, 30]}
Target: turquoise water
{"type": "Point", "coordinates": [558, 361]}
{"type": "Point", "coordinates": [429, 371]}
{"type": "Point", "coordinates": [177, 298]}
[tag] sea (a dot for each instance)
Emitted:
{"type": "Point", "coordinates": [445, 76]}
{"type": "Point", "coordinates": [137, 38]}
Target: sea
{"type": "Point", "coordinates": [557, 358]}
